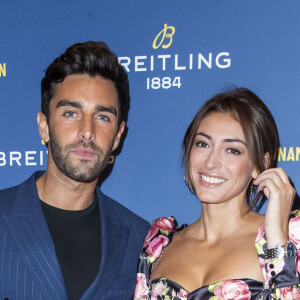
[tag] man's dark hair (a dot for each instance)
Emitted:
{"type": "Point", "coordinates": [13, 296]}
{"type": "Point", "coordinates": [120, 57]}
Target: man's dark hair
{"type": "Point", "coordinates": [91, 58]}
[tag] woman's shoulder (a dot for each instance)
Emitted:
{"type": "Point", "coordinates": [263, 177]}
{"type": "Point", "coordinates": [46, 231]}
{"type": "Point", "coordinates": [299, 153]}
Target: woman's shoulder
{"type": "Point", "coordinates": [162, 229]}
{"type": "Point", "coordinates": [165, 223]}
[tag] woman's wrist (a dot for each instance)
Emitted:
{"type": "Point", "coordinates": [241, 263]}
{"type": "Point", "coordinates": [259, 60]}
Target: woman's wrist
{"type": "Point", "coordinates": [276, 237]}
{"type": "Point", "coordinates": [280, 251]}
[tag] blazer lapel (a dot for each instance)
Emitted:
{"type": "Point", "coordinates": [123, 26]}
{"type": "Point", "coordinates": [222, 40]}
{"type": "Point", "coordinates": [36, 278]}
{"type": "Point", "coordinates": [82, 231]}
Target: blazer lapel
{"type": "Point", "coordinates": [27, 226]}
{"type": "Point", "coordinates": [114, 240]}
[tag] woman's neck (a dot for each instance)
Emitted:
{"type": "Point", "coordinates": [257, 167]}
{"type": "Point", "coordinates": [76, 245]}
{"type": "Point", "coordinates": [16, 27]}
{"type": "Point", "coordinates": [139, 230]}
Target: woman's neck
{"type": "Point", "coordinates": [218, 221]}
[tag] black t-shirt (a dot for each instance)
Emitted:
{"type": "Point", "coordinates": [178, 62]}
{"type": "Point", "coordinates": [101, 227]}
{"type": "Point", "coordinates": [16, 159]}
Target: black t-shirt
{"type": "Point", "coordinates": [77, 240]}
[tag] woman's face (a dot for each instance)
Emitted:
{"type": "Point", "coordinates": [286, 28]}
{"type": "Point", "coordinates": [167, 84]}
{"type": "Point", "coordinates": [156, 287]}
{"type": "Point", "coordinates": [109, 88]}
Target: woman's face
{"type": "Point", "coordinates": [220, 165]}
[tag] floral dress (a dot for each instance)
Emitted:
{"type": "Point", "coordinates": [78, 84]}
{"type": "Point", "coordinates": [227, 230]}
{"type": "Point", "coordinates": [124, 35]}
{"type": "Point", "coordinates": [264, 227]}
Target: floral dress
{"type": "Point", "coordinates": [281, 275]}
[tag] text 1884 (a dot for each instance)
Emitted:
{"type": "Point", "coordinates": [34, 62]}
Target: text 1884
{"type": "Point", "coordinates": [156, 83]}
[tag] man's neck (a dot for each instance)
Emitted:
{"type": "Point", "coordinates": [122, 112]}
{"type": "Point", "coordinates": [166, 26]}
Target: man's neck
{"type": "Point", "coordinates": [62, 192]}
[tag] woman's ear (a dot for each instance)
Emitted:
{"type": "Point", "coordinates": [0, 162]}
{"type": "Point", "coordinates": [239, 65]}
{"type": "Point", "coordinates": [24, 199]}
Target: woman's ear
{"type": "Point", "coordinates": [255, 173]}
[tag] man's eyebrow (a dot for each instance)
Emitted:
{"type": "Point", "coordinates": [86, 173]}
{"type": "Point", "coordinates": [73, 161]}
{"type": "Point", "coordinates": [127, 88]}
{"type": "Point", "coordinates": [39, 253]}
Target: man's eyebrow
{"type": "Point", "coordinates": [68, 103]}
{"type": "Point", "coordinates": [226, 140]}
{"type": "Point", "coordinates": [76, 104]}
{"type": "Point", "coordinates": [110, 109]}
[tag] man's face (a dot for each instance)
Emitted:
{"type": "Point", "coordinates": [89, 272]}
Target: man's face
{"type": "Point", "coordinates": [83, 127]}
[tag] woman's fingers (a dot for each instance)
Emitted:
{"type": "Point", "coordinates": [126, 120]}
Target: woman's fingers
{"type": "Point", "coordinates": [276, 186]}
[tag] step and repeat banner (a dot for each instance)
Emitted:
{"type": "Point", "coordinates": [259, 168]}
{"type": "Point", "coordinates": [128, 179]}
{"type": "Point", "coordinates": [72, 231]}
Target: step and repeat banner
{"type": "Point", "coordinates": [177, 55]}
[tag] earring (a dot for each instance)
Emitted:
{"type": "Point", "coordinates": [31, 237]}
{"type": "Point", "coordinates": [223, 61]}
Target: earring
{"type": "Point", "coordinates": [188, 185]}
{"type": "Point", "coordinates": [251, 190]}
{"type": "Point", "coordinates": [111, 159]}
{"type": "Point", "coordinates": [43, 142]}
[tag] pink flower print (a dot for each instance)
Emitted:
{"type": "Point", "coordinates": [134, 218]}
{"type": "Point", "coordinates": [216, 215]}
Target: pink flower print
{"type": "Point", "coordinates": [162, 223]}
{"type": "Point", "coordinates": [263, 269]}
{"type": "Point", "coordinates": [260, 234]}
{"type": "Point", "coordinates": [289, 293]}
{"type": "Point", "coordinates": [294, 231]}
{"type": "Point", "coordinates": [141, 289]}
{"type": "Point", "coordinates": [158, 290]}
{"type": "Point", "coordinates": [155, 246]}
{"type": "Point", "coordinates": [183, 294]}
{"type": "Point", "coordinates": [233, 290]}
{"type": "Point", "coordinates": [151, 233]}
{"type": "Point", "coordinates": [296, 293]}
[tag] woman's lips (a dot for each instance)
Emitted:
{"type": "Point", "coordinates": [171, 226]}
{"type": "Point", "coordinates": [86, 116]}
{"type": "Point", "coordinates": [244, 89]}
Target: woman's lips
{"type": "Point", "coordinates": [211, 181]}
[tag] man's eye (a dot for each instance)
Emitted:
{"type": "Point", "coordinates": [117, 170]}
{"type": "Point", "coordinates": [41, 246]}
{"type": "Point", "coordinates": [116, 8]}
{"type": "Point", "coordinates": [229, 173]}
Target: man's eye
{"type": "Point", "coordinates": [104, 118]}
{"type": "Point", "coordinates": [69, 114]}
{"type": "Point", "coordinates": [233, 151]}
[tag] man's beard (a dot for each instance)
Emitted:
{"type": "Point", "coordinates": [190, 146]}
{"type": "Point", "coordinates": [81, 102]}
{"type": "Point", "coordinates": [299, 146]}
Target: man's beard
{"type": "Point", "coordinates": [80, 172]}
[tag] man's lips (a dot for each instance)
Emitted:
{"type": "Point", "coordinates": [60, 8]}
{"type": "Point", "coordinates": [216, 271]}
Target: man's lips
{"type": "Point", "coordinates": [211, 181]}
{"type": "Point", "coordinates": [84, 153]}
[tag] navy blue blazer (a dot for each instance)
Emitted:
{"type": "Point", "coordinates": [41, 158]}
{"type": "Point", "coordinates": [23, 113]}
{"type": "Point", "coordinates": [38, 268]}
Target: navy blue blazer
{"type": "Point", "coordinates": [29, 268]}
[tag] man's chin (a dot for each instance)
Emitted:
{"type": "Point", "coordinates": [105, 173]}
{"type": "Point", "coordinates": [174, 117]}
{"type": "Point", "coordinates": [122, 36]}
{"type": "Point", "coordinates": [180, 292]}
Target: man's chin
{"type": "Point", "coordinates": [82, 177]}
{"type": "Point", "coordinates": [82, 172]}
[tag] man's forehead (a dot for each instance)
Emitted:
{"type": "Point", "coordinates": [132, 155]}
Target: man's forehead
{"type": "Point", "coordinates": [84, 88]}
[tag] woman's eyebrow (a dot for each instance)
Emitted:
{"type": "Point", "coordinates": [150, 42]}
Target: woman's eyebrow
{"type": "Point", "coordinates": [235, 141]}
{"type": "Point", "coordinates": [229, 140]}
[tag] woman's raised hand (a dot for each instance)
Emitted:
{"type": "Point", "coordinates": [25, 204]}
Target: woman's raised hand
{"type": "Point", "coordinates": [276, 186]}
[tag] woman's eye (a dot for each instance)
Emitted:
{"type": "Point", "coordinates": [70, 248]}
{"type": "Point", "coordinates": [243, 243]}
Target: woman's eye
{"type": "Point", "coordinates": [233, 151]}
{"type": "Point", "coordinates": [69, 114]}
{"type": "Point", "coordinates": [201, 144]}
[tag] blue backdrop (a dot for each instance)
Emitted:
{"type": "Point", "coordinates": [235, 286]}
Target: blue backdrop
{"type": "Point", "coordinates": [177, 55]}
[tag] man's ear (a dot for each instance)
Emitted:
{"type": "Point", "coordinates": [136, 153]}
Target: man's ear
{"type": "Point", "coordinates": [43, 126]}
{"type": "Point", "coordinates": [118, 136]}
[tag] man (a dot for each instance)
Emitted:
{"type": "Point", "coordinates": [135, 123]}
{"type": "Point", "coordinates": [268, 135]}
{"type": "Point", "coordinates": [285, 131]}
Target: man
{"type": "Point", "coordinates": [60, 236]}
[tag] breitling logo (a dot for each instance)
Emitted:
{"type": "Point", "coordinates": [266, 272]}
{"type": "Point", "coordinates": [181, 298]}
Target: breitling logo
{"type": "Point", "coordinates": [165, 34]}
{"type": "Point", "coordinates": [161, 63]}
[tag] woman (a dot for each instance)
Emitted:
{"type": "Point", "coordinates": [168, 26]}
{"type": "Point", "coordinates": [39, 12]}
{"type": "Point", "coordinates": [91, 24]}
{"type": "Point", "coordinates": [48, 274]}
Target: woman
{"type": "Point", "coordinates": [231, 251]}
